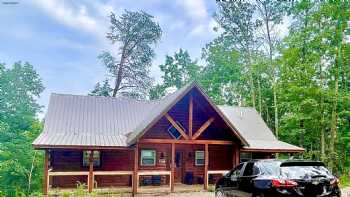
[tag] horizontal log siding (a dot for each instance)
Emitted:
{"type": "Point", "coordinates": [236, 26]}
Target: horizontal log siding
{"type": "Point", "coordinates": [66, 160]}
{"type": "Point", "coordinates": [67, 181]}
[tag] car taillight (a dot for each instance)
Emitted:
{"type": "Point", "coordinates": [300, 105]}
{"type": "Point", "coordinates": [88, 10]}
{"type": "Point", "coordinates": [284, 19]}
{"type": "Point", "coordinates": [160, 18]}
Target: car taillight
{"type": "Point", "coordinates": [334, 182]}
{"type": "Point", "coordinates": [280, 183]}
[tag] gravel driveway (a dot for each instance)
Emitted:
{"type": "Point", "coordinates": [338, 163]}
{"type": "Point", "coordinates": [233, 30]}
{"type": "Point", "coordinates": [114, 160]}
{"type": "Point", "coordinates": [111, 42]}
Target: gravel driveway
{"type": "Point", "coordinates": [185, 194]}
{"type": "Point", "coordinates": [345, 193]}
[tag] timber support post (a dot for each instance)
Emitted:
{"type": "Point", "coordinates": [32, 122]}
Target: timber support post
{"type": "Point", "coordinates": [206, 162]}
{"type": "Point", "coordinates": [237, 154]}
{"type": "Point", "coordinates": [91, 171]}
{"type": "Point", "coordinates": [46, 173]}
{"type": "Point", "coordinates": [172, 175]}
{"type": "Point", "coordinates": [190, 117]}
{"type": "Point", "coordinates": [135, 177]}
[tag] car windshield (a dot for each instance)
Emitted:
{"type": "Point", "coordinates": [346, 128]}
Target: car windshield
{"type": "Point", "coordinates": [269, 167]}
{"type": "Point", "coordinates": [304, 172]}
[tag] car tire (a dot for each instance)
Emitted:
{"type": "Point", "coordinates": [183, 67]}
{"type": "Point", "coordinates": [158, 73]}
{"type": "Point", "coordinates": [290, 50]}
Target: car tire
{"type": "Point", "coordinates": [219, 193]}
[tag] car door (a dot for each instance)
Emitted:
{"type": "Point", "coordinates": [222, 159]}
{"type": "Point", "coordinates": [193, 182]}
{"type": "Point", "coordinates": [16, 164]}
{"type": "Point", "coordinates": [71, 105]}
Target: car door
{"type": "Point", "coordinates": [245, 184]}
{"type": "Point", "coordinates": [230, 189]}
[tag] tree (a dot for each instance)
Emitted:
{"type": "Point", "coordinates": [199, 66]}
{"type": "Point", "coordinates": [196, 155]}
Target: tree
{"type": "Point", "coordinates": [134, 33]}
{"type": "Point", "coordinates": [20, 165]}
{"type": "Point", "coordinates": [104, 90]}
{"type": "Point", "coordinates": [222, 78]}
{"type": "Point", "coordinates": [19, 87]}
{"type": "Point", "coordinates": [177, 71]}
{"type": "Point", "coordinates": [315, 62]}
{"type": "Point", "coordinates": [270, 14]}
{"type": "Point", "coordinates": [236, 20]}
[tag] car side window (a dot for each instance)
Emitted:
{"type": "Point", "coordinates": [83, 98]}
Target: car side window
{"type": "Point", "coordinates": [236, 172]}
{"type": "Point", "coordinates": [251, 169]}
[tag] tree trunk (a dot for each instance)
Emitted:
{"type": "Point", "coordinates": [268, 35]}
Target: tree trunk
{"type": "Point", "coordinates": [119, 76]}
{"type": "Point", "coordinates": [273, 71]}
{"type": "Point", "coordinates": [333, 126]}
{"type": "Point", "coordinates": [276, 111]}
{"type": "Point", "coordinates": [260, 98]}
{"type": "Point", "coordinates": [322, 123]}
{"type": "Point", "coordinates": [30, 175]}
{"type": "Point", "coordinates": [251, 79]}
{"type": "Point", "coordinates": [302, 133]}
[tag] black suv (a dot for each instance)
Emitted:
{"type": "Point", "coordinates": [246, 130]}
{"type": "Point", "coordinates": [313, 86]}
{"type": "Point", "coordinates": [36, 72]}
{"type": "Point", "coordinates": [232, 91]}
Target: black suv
{"type": "Point", "coordinates": [261, 178]}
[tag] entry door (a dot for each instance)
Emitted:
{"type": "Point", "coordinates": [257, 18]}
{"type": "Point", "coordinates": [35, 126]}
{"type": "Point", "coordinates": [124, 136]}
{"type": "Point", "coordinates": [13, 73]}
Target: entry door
{"type": "Point", "coordinates": [178, 166]}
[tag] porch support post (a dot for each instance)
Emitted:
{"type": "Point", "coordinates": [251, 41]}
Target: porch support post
{"type": "Point", "coordinates": [135, 178]}
{"type": "Point", "coordinates": [190, 117]}
{"type": "Point", "coordinates": [172, 174]}
{"type": "Point", "coordinates": [46, 173]}
{"type": "Point", "coordinates": [236, 155]}
{"type": "Point", "coordinates": [91, 172]}
{"type": "Point", "coordinates": [206, 162]}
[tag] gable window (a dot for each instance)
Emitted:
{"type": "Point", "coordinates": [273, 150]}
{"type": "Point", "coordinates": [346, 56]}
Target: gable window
{"type": "Point", "coordinates": [174, 132]}
{"type": "Point", "coordinates": [148, 157]}
{"type": "Point", "coordinates": [199, 158]}
{"type": "Point", "coordinates": [96, 158]}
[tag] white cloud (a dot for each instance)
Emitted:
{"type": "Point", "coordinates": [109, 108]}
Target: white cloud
{"type": "Point", "coordinates": [67, 14]}
{"type": "Point", "coordinates": [194, 8]}
{"type": "Point", "coordinates": [205, 29]}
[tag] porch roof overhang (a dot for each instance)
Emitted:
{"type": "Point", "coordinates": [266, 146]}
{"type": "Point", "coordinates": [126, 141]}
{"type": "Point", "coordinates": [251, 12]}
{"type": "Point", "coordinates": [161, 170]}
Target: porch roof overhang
{"type": "Point", "coordinates": [274, 146]}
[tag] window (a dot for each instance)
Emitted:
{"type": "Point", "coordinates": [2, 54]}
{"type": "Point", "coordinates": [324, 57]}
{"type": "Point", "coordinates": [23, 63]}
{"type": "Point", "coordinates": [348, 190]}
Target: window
{"type": "Point", "coordinates": [251, 169]}
{"type": "Point", "coordinates": [148, 157]}
{"type": "Point", "coordinates": [245, 156]}
{"type": "Point", "coordinates": [199, 158]}
{"type": "Point", "coordinates": [96, 157]}
{"type": "Point", "coordinates": [174, 132]}
{"type": "Point", "coordinates": [235, 173]}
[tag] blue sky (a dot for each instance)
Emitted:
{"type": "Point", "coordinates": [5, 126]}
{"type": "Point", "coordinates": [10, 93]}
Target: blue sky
{"type": "Point", "coordinates": [62, 39]}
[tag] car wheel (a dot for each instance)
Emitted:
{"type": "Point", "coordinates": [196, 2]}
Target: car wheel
{"type": "Point", "coordinates": [219, 193]}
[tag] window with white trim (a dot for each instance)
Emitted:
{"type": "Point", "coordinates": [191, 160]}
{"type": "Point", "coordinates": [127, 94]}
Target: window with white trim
{"type": "Point", "coordinates": [174, 132]}
{"type": "Point", "coordinates": [148, 157]}
{"type": "Point", "coordinates": [96, 158]}
{"type": "Point", "coordinates": [199, 158]}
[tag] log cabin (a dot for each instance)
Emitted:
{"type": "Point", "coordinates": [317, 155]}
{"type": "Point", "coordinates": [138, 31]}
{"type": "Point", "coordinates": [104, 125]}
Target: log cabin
{"type": "Point", "coordinates": [183, 138]}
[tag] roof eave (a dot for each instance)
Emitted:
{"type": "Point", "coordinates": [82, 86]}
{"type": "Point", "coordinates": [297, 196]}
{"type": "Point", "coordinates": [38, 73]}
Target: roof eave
{"type": "Point", "coordinates": [273, 150]}
{"type": "Point", "coordinates": [79, 147]}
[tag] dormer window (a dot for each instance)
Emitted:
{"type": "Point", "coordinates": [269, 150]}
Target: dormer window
{"type": "Point", "coordinates": [174, 132]}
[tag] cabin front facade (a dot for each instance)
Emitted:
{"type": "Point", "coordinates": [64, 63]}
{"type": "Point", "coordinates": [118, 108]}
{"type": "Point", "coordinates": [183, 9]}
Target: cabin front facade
{"type": "Point", "coordinates": [181, 139]}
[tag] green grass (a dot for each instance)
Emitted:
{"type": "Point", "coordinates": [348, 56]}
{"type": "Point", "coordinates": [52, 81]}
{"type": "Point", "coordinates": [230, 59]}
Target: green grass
{"type": "Point", "coordinates": [345, 181]}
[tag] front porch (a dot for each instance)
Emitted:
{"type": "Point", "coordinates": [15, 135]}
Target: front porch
{"type": "Point", "coordinates": [174, 169]}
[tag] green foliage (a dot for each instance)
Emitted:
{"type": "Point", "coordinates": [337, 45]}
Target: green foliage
{"type": "Point", "coordinates": [133, 33]}
{"type": "Point", "coordinates": [104, 90]}
{"type": "Point", "coordinates": [223, 75]}
{"type": "Point", "coordinates": [19, 86]}
{"type": "Point", "coordinates": [344, 181]}
{"type": "Point", "coordinates": [177, 71]}
{"type": "Point", "coordinates": [20, 165]}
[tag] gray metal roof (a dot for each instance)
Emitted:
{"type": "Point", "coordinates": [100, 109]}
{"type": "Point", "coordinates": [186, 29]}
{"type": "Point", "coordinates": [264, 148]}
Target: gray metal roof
{"type": "Point", "coordinates": [73, 120]}
{"type": "Point", "coordinates": [91, 120]}
{"type": "Point", "coordinates": [253, 128]}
